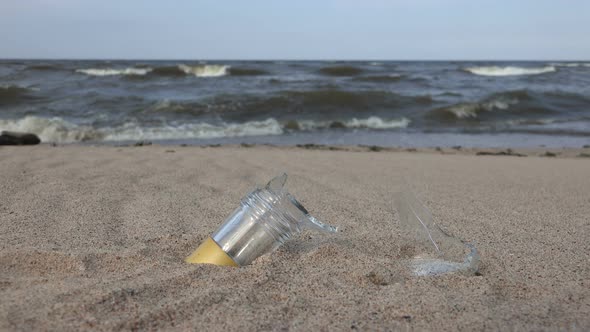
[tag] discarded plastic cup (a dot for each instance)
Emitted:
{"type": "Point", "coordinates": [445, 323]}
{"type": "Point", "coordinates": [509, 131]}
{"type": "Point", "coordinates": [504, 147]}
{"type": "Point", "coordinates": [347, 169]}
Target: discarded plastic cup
{"type": "Point", "coordinates": [265, 219]}
{"type": "Point", "coordinates": [434, 251]}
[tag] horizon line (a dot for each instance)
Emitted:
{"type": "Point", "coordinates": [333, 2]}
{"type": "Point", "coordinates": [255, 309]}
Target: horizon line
{"type": "Point", "coordinates": [285, 59]}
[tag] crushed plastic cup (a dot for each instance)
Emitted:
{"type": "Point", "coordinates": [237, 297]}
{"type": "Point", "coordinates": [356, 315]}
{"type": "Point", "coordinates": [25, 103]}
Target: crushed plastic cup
{"type": "Point", "coordinates": [265, 219]}
{"type": "Point", "coordinates": [432, 251]}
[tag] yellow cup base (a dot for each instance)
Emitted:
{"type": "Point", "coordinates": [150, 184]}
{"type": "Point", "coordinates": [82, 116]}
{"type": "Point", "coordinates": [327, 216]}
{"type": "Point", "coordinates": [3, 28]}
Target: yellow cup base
{"type": "Point", "coordinates": [209, 252]}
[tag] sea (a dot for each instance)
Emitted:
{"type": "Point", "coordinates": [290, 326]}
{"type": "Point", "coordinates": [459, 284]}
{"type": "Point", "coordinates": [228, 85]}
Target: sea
{"type": "Point", "coordinates": [385, 103]}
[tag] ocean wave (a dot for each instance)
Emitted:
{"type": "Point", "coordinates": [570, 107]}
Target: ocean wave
{"type": "Point", "coordinates": [43, 67]}
{"type": "Point", "coordinates": [471, 110]}
{"type": "Point", "coordinates": [324, 101]}
{"type": "Point", "coordinates": [570, 64]}
{"type": "Point", "coordinates": [372, 122]}
{"type": "Point", "coordinates": [52, 129]}
{"type": "Point", "coordinates": [500, 101]}
{"type": "Point", "coordinates": [167, 105]}
{"type": "Point", "coordinates": [168, 71]}
{"type": "Point", "coordinates": [380, 78]}
{"type": "Point", "coordinates": [204, 70]}
{"type": "Point", "coordinates": [178, 70]}
{"type": "Point", "coordinates": [356, 100]}
{"type": "Point", "coordinates": [234, 71]}
{"type": "Point", "coordinates": [340, 71]}
{"type": "Point", "coordinates": [59, 130]}
{"type": "Point", "coordinates": [132, 131]}
{"type": "Point", "coordinates": [509, 71]}
{"type": "Point", "coordinates": [114, 72]}
{"type": "Point", "coordinates": [375, 122]}
{"type": "Point", "coordinates": [14, 94]}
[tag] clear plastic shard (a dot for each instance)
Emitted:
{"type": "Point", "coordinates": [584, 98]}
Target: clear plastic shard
{"type": "Point", "coordinates": [277, 183]}
{"type": "Point", "coordinates": [428, 249]}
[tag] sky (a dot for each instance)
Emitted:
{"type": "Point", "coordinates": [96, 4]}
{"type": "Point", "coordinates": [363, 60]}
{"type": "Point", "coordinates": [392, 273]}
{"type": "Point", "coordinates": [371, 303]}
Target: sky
{"type": "Point", "coordinates": [296, 29]}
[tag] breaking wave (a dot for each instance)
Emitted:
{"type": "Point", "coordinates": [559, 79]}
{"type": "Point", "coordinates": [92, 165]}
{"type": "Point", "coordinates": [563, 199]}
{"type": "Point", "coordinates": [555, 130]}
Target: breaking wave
{"type": "Point", "coordinates": [521, 105]}
{"type": "Point", "coordinates": [500, 101]}
{"type": "Point", "coordinates": [132, 131]}
{"type": "Point", "coordinates": [571, 64]}
{"type": "Point", "coordinates": [471, 110]}
{"type": "Point", "coordinates": [372, 122]}
{"type": "Point", "coordinates": [52, 129]}
{"type": "Point", "coordinates": [509, 71]}
{"type": "Point", "coordinates": [179, 70]}
{"type": "Point", "coordinates": [205, 70]}
{"type": "Point", "coordinates": [196, 70]}
{"type": "Point", "coordinates": [59, 130]}
{"type": "Point", "coordinates": [114, 72]}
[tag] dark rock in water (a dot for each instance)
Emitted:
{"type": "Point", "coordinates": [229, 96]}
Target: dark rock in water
{"type": "Point", "coordinates": [14, 138]}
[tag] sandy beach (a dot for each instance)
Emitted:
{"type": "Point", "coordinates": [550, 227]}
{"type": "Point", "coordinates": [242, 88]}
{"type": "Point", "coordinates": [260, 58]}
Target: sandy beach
{"type": "Point", "coordinates": [94, 237]}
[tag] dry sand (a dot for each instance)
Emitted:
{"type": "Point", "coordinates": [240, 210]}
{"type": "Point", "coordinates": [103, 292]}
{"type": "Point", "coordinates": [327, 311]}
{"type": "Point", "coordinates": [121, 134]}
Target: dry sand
{"type": "Point", "coordinates": [95, 237]}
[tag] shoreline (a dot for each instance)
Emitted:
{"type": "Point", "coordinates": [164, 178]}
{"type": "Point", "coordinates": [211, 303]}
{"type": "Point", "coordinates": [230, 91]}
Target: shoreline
{"type": "Point", "coordinates": [547, 152]}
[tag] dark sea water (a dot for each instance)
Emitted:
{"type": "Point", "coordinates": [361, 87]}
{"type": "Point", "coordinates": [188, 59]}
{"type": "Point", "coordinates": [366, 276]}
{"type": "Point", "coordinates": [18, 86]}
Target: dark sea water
{"type": "Point", "coordinates": [289, 102]}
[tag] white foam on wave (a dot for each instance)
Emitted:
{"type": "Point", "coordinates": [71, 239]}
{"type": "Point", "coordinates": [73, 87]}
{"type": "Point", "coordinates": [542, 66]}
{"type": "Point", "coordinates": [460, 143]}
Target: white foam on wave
{"type": "Point", "coordinates": [61, 131]}
{"type": "Point", "coordinates": [52, 129]}
{"type": "Point", "coordinates": [372, 122]}
{"type": "Point", "coordinates": [375, 122]}
{"type": "Point", "coordinates": [205, 70]}
{"type": "Point", "coordinates": [132, 131]}
{"type": "Point", "coordinates": [509, 71]}
{"type": "Point", "coordinates": [470, 110]}
{"type": "Point", "coordinates": [571, 64]}
{"type": "Point", "coordinates": [114, 72]}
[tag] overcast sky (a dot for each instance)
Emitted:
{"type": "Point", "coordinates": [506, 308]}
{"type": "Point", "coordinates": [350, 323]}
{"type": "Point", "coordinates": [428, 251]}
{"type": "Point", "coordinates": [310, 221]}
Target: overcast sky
{"type": "Point", "coordinates": [296, 29]}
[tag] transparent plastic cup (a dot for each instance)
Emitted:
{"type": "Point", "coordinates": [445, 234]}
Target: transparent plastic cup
{"type": "Point", "coordinates": [434, 251]}
{"type": "Point", "coordinates": [265, 219]}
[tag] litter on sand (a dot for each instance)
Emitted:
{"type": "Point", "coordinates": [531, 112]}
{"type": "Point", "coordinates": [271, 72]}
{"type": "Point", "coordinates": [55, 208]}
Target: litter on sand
{"type": "Point", "coordinates": [265, 219]}
{"type": "Point", "coordinates": [269, 216]}
{"type": "Point", "coordinates": [433, 252]}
